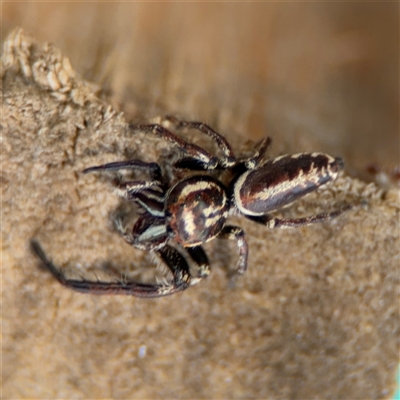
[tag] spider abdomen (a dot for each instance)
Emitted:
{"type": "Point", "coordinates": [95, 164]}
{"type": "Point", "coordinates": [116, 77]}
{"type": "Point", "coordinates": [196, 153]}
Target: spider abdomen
{"type": "Point", "coordinates": [196, 209]}
{"type": "Point", "coordinates": [282, 181]}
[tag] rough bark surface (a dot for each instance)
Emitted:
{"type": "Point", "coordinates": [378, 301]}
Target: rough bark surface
{"type": "Point", "coordinates": [315, 316]}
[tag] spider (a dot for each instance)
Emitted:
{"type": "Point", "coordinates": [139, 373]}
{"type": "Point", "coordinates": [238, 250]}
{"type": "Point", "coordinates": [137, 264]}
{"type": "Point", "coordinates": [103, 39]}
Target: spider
{"type": "Point", "coordinates": [181, 216]}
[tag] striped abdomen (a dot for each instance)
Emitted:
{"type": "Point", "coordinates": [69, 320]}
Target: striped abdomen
{"type": "Point", "coordinates": [283, 180]}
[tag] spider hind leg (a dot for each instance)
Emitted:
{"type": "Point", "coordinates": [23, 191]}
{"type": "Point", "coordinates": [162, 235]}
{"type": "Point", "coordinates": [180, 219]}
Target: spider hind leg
{"type": "Point", "coordinates": [173, 259]}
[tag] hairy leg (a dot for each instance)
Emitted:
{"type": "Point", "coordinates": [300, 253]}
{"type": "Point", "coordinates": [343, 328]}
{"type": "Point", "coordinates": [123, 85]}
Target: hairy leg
{"type": "Point", "coordinates": [172, 258]}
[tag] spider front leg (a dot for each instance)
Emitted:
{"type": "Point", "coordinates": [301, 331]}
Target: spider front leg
{"type": "Point", "coordinates": [140, 192]}
{"type": "Point", "coordinates": [173, 259]}
{"type": "Point", "coordinates": [128, 189]}
{"type": "Point", "coordinates": [153, 168]}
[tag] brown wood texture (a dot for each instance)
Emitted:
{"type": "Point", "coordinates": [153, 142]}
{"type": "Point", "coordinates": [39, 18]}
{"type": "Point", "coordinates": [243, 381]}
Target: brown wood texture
{"type": "Point", "coordinates": [317, 313]}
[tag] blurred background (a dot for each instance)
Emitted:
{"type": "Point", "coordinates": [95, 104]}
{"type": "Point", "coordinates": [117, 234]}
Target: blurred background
{"type": "Point", "coordinates": [324, 75]}
{"type": "Point", "coordinates": [314, 76]}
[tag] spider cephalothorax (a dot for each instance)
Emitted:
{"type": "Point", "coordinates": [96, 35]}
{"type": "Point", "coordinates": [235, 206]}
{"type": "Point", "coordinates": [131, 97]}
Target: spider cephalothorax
{"type": "Point", "coordinates": [180, 216]}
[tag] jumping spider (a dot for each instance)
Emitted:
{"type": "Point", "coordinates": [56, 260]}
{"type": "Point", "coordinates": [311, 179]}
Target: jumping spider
{"type": "Point", "coordinates": [194, 210]}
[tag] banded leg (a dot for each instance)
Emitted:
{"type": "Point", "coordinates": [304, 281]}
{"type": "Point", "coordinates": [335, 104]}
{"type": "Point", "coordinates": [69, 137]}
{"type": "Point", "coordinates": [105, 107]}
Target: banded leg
{"type": "Point", "coordinates": [272, 222]}
{"type": "Point", "coordinates": [129, 189]}
{"type": "Point", "coordinates": [179, 268]}
{"type": "Point", "coordinates": [236, 233]}
{"type": "Point", "coordinates": [229, 160]}
{"type": "Point", "coordinates": [199, 156]}
{"type": "Point", "coordinates": [153, 168]}
{"type": "Point", "coordinates": [199, 256]}
{"type": "Point", "coordinates": [255, 160]}
{"type": "Point", "coordinates": [132, 187]}
{"type": "Point", "coordinates": [154, 205]}
{"type": "Point", "coordinates": [174, 260]}
{"type": "Point", "coordinates": [138, 191]}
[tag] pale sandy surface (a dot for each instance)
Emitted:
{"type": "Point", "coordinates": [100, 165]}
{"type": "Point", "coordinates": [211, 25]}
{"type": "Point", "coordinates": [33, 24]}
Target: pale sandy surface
{"type": "Point", "coordinates": [317, 313]}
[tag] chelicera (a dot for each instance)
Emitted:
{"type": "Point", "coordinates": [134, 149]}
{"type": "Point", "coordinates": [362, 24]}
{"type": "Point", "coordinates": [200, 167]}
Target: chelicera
{"type": "Point", "coordinates": [178, 217]}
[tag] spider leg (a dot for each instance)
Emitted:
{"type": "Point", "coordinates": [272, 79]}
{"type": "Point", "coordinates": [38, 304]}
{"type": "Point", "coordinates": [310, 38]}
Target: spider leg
{"type": "Point", "coordinates": [272, 222]}
{"type": "Point", "coordinates": [178, 266]}
{"type": "Point", "coordinates": [229, 160]}
{"type": "Point", "coordinates": [236, 233]}
{"type": "Point", "coordinates": [129, 189]}
{"type": "Point", "coordinates": [255, 160]}
{"type": "Point", "coordinates": [152, 204]}
{"type": "Point", "coordinates": [201, 156]}
{"type": "Point", "coordinates": [153, 168]}
{"type": "Point", "coordinates": [199, 256]}
{"type": "Point", "coordinates": [174, 260]}
{"type": "Point", "coordinates": [140, 191]}
{"type": "Point", "coordinates": [149, 233]}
